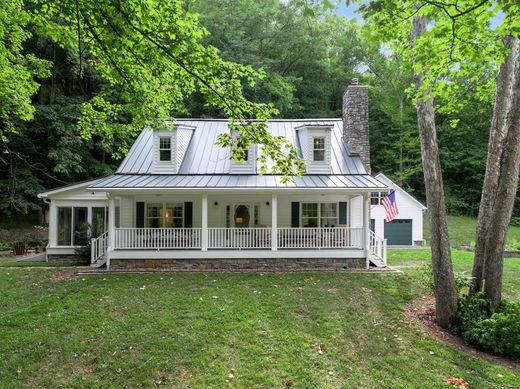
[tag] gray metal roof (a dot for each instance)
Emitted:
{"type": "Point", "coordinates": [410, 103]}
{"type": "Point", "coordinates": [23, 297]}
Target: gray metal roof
{"type": "Point", "coordinates": [204, 157]}
{"type": "Point", "coordinates": [236, 181]}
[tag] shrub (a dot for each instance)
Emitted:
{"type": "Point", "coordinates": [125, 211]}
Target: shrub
{"type": "Point", "coordinates": [83, 239]}
{"type": "Point", "coordinates": [498, 332]}
{"type": "Point", "coordinates": [426, 276]}
{"type": "Point", "coordinates": [4, 246]}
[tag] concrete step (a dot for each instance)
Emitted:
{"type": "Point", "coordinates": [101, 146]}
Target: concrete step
{"type": "Point", "coordinates": [100, 262]}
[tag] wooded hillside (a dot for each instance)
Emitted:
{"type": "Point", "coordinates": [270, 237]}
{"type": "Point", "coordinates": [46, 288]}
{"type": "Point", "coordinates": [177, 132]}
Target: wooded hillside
{"type": "Point", "coordinates": [309, 57]}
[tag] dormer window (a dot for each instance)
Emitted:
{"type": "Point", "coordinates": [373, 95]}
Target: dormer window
{"type": "Point", "coordinates": [165, 149]}
{"type": "Point", "coordinates": [318, 152]}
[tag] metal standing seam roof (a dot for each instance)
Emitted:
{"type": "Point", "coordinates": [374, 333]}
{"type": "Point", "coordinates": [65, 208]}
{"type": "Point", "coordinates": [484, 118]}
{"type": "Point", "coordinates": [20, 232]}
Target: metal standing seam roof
{"type": "Point", "coordinates": [203, 156]}
{"type": "Point", "coordinates": [238, 181]}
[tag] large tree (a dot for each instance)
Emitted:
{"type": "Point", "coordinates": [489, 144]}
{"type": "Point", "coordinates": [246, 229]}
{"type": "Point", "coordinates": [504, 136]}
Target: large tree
{"type": "Point", "coordinates": [458, 44]}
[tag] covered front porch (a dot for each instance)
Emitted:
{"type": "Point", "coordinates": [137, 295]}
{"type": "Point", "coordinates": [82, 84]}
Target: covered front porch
{"type": "Point", "coordinates": [299, 224]}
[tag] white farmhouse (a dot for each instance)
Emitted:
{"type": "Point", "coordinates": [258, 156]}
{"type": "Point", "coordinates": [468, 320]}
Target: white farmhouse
{"type": "Point", "coordinates": [179, 202]}
{"type": "Point", "coordinates": [407, 228]}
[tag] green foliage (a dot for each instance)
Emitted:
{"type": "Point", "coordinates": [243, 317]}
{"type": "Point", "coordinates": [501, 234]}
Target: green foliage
{"type": "Point", "coordinates": [425, 275]}
{"type": "Point", "coordinates": [498, 332]}
{"type": "Point", "coordinates": [83, 239]}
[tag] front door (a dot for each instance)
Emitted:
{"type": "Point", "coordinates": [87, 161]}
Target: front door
{"type": "Point", "coordinates": [242, 215]}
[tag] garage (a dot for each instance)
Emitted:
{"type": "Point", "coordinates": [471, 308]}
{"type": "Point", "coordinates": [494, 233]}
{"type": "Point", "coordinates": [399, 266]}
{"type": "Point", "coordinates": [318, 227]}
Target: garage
{"type": "Point", "coordinates": [399, 232]}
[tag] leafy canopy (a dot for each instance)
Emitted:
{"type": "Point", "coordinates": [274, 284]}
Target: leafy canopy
{"type": "Point", "coordinates": [460, 43]}
{"type": "Point", "coordinates": [149, 53]}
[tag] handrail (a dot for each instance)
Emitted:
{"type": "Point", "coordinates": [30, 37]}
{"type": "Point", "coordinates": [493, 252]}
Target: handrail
{"type": "Point", "coordinates": [99, 247]}
{"type": "Point", "coordinates": [378, 247]}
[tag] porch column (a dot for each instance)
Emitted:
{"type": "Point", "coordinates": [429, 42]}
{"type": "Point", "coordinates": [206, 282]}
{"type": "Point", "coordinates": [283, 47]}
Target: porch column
{"type": "Point", "coordinates": [366, 223]}
{"type": "Point", "coordinates": [53, 224]}
{"type": "Point", "coordinates": [274, 222]}
{"type": "Point", "coordinates": [204, 224]}
{"type": "Point", "coordinates": [111, 228]}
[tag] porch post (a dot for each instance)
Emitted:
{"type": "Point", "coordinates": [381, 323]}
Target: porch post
{"type": "Point", "coordinates": [53, 224]}
{"type": "Point", "coordinates": [274, 222]}
{"type": "Point", "coordinates": [204, 224]}
{"type": "Point", "coordinates": [366, 214]}
{"type": "Point", "coordinates": [111, 228]}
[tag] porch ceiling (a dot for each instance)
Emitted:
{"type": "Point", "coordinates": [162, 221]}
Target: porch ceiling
{"type": "Point", "coordinates": [229, 181]}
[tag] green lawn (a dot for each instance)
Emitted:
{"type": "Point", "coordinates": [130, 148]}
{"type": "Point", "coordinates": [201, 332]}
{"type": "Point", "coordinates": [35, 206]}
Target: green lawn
{"type": "Point", "coordinates": [217, 330]}
{"type": "Point", "coordinates": [462, 231]}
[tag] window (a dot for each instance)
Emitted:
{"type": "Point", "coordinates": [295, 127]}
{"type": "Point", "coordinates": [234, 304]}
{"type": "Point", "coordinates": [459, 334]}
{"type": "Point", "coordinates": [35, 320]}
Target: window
{"type": "Point", "coordinates": [99, 221]}
{"type": "Point", "coordinates": [64, 226]}
{"type": "Point", "coordinates": [319, 214]}
{"type": "Point", "coordinates": [310, 215]}
{"type": "Point", "coordinates": [328, 214]}
{"type": "Point", "coordinates": [318, 149]}
{"type": "Point", "coordinates": [376, 197]}
{"type": "Point", "coordinates": [71, 220]}
{"type": "Point", "coordinates": [173, 216]}
{"type": "Point", "coordinates": [165, 149]}
{"type": "Point", "coordinates": [169, 215]}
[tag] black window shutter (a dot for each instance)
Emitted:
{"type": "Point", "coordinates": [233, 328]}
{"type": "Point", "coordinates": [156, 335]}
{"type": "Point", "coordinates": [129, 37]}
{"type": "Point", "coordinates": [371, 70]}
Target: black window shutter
{"type": "Point", "coordinates": [188, 214]}
{"type": "Point", "coordinates": [139, 214]}
{"type": "Point", "coordinates": [295, 214]}
{"type": "Point", "coordinates": [342, 212]}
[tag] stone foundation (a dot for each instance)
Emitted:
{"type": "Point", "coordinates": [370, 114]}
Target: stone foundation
{"type": "Point", "coordinates": [69, 259]}
{"type": "Point", "coordinates": [239, 265]}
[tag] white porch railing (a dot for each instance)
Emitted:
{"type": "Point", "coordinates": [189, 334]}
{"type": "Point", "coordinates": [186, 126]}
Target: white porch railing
{"type": "Point", "coordinates": [239, 238]}
{"type": "Point", "coordinates": [320, 237]}
{"type": "Point", "coordinates": [377, 246]}
{"type": "Point", "coordinates": [99, 247]}
{"type": "Point", "coordinates": [157, 238]}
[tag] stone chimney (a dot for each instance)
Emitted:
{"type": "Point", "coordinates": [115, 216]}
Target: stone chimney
{"type": "Point", "coordinates": [355, 121]}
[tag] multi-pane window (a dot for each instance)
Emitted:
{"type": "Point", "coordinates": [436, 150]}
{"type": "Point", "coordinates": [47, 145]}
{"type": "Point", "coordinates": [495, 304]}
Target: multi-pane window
{"type": "Point", "coordinates": [376, 197]}
{"type": "Point", "coordinates": [169, 215]}
{"type": "Point", "coordinates": [319, 214]}
{"type": "Point", "coordinates": [173, 216]}
{"type": "Point", "coordinates": [310, 215]}
{"type": "Point", "coordinates": [318, 149]}
{"type": "Point", "coordinates": [165, 149]}
{"type": "Point", "coordinates": [328, 214]}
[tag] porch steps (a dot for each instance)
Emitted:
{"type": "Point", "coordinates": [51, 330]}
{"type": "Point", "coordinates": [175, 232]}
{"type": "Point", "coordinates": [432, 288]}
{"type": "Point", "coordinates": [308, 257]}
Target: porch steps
{"type": "Point", "coordinates": [377, 262]}
{"type": "Point", "coordinates": [97, 264]}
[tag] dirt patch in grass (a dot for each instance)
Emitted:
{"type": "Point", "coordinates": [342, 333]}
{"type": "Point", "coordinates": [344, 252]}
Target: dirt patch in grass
{"type": "Point", "coordinates": [423, 311]}
{"type": "Point", "coordinates": [64, 275]}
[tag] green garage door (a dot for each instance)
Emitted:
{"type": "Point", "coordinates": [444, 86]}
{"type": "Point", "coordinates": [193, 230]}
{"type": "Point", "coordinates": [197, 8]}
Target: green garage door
{"type": "Point", "coordinates": [399, 232]}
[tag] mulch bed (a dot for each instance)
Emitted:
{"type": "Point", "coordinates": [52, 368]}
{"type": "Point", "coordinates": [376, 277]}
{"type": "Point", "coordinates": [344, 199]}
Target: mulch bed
{"type": "Point", "coordinates": [423, 311]}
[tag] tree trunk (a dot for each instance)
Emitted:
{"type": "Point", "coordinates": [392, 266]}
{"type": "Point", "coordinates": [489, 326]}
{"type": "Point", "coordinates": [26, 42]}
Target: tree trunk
{"type": "Point", "coordinates": [444, 280]}
{"type": "Point", "coordinates": [497, 134]}
{"type": "Point", "coordinates": [501, 179]}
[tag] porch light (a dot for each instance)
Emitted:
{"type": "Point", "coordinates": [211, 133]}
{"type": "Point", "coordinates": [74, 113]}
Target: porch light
{"type": "Point", "coordinates": [267, 203]}
{"type": "Point", "coordinates": [216, 203]}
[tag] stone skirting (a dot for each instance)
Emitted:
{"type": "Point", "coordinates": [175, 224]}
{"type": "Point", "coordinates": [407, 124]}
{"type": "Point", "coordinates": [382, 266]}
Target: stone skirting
{"type": "Point", "coordinates": [243, 264]}
{"type": "Point", "coordinates": [69, 259]}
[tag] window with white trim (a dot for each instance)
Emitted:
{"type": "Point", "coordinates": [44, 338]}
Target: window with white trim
{"type": "Point", "coordinates": [318, 149]}
{"type": "Point", "coordinates": [165, 148]}
{"type": "Point", "coordinates": [376, 197]}
{"type": "Point", "coordinates": [165, 215]}
{"type": "Point", "coordinates": [319, 214]}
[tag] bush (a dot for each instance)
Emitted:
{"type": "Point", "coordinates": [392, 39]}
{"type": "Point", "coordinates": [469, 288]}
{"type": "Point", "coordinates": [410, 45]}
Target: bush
{"type": "Point", "coordinates": [4, 246]}
{"type": "Point", "coordinates": [426, 276]}
{"type": "Point", "coordinates": [498, 332]}
{"type": "Point", "coordinates": [83, 239]}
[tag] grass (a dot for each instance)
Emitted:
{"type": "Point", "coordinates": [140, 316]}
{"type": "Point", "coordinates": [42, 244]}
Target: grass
{"type": "Point", "coordinates": [408, 260]}
{"type": "Point", "coordinates": [462, 230]}
{"type": "Point", "coordinates": [217, 330]}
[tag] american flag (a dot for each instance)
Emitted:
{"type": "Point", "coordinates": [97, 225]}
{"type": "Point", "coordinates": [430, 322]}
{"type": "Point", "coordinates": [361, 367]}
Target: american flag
{"type": "Point", "coordinates": [390, 206]}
